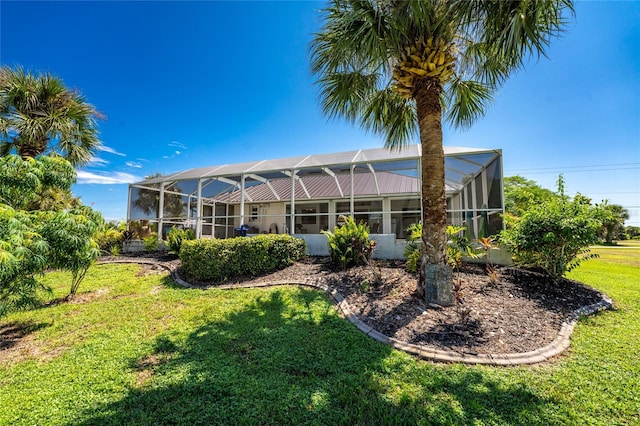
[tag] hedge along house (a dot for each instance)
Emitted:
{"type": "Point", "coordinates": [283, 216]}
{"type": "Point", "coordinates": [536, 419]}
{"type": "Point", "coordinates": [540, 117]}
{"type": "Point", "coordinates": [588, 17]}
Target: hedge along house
{"type": "Point", "coordinates": [306, 195]}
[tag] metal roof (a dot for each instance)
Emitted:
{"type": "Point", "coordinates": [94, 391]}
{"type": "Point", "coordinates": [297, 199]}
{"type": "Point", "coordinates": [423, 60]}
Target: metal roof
{"type": "Point", "coordinates": [324, 186]}
{"type": "Point", "coordinates": [459, 163]}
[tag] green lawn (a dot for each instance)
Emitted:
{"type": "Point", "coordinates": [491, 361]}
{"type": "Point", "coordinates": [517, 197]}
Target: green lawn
{"type": "Point", "coordinates": [141, 350]}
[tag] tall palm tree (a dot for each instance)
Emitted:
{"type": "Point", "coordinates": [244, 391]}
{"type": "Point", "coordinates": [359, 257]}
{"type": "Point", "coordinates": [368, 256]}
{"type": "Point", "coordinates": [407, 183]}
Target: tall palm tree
{"type": "Point", "coordinates": [399, 66]}
{"type": "Point", "coordinates": [38, 115]}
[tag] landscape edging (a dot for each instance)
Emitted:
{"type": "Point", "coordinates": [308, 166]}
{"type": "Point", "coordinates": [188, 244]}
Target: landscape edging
{"type": "Point", "coordinates": [559, 344]}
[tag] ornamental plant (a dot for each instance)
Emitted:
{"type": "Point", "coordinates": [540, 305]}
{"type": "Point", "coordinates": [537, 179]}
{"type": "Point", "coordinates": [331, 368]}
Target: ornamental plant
{"type": "Point", "coordinates": [457, 246]}
{"type": "Point", "coordinates": [109, 240]}
{"type": "Point", "coordinates": [151, 243]}
{"type": "Point", "coordinates": [176, 236]}
{"type": "Point", "coordinates": [349, 244]}
{"type": "Point", "coordinates": [555, 234]}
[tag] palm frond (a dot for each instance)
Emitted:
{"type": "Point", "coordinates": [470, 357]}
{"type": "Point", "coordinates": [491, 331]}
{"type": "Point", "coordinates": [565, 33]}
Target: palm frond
{"type": "Point", "coordinates": [354, 35]}
{"type": "Point", "coordinates": [390, 115]}
{"type": "Point", "coordinates": [343, 94]}
{"type": "Point", "coordinates": [38, 115]}
{"type": "Point", "coordinates": [516, 29]}
{"type": "Point", "coordinates": [361, 41]}
{"type": "Point", "coordinates": [466, 101]}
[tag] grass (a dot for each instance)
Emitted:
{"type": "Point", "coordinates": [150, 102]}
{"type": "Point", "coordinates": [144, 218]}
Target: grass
{"type": "Point", "coordinates": [141, 350]}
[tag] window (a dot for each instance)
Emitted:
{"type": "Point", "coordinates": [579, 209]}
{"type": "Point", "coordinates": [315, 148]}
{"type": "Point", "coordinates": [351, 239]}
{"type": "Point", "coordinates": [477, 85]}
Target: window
{"type": "Point", "coordinates": [311, 218]}
{"type": "Point", "coordinates": [404, 213]}
{"type": "Point", "coordinates": [369, 212]}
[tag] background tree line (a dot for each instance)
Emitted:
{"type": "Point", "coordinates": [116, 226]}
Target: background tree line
{"type": "Point", "coordinates": [522, 195]}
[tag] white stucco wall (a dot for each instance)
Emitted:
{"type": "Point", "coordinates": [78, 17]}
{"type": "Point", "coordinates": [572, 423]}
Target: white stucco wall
{"type": "Point", "coordinates": [387, 247]}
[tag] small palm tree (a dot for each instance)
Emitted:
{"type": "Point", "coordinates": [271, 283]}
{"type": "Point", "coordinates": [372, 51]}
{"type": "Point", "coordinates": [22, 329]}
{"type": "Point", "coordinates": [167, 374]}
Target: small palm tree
{"type": "Point", "coordinates": [399, 66]}
{"type": "Point", "coordinates": [39, 115]}
{"type": "Point", "coordinates": [613, 217]}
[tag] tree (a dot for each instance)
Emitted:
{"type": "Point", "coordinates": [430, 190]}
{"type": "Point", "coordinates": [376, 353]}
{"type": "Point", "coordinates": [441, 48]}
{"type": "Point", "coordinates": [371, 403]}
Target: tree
{"type": "Point", "coordinates": [32, 241]}
{"type": "Point", "coordinates": [613, 217]}
{"type": "Point", "coordinates": [399, 67]}
{"type": "Point", "coordinates": [522, 194]}
{"type": "Point", "coordinates": [38, 115]}
{"type": "Point", "coordinates": [632, 232]}
{"type": "Point", "coordinates": [71, 247]}
{"type": "Point", "coordinates": [43, 184]}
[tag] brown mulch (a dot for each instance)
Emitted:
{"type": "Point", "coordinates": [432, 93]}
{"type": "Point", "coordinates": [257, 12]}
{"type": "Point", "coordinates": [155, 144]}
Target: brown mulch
{"type": "Point", "coordinates": [521, 311]}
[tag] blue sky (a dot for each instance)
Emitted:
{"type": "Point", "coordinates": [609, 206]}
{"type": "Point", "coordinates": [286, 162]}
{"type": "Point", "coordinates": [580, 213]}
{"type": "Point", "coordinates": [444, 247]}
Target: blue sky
{"type": "Point", "coordinates": [190, 84]}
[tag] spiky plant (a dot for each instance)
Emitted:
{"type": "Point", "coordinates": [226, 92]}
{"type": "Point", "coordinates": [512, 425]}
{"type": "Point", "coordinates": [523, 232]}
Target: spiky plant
{"type": "Point", "coordinates": [399, 66]}
{"type": "Point", "coordinates": [38, 115]}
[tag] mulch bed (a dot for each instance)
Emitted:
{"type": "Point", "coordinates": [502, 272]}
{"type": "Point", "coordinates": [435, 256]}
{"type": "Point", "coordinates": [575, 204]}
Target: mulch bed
{"type": "Point", "coordinates": [521, 311]}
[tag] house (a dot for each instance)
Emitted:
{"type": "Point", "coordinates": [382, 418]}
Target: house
{"type": "Point", "coordinates": [378, 186]}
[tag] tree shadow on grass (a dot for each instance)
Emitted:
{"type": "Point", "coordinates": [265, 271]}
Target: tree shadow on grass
{"type": "Point", "coordinates": [285, 357]}
{"type": "Point", "coordinates": [12, 333]}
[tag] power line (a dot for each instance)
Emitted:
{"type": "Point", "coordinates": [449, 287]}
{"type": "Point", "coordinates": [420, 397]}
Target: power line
{"type": "Point", "coordinates": [576, 171]}
{"type": "Point", "coordinates": [580, 167]}
{"type": "Point", "coordinates": [610, 193]}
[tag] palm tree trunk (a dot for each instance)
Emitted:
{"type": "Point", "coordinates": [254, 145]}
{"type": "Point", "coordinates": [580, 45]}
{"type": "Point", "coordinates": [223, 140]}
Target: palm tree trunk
{"type": "Point", "coordinates": [436, 274]}
{"type": "Point", "coordinates": [32, 150]}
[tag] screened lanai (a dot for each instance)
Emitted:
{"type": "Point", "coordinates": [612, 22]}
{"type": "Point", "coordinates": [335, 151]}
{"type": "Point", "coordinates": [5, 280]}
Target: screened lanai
{"type": "Point", "coordinates": [306, 195]}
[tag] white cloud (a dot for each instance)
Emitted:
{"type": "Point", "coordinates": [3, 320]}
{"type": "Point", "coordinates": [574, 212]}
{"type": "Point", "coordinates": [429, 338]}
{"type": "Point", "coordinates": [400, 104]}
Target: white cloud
{"type": "Point", "coordinates": [178, 144]}
{"type": "Point", "coordinates": [97, 161]}
{"type": "Point", "coordinates": [106, 179]}
{"type": "Point", "coordinates": [133, 164]}
{"type": "Point", "coordinates": [175, 154]}
{"type": "Point", "coordinates": [111, 151]}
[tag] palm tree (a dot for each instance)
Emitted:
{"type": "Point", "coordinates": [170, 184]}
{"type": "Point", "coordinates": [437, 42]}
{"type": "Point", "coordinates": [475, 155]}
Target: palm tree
{"type": "Point", "coordinates": [399, 66]}
{"type": "Point", "coordinates": [38, 115]}
{"type": "Point", "coordinates": [613, 218]}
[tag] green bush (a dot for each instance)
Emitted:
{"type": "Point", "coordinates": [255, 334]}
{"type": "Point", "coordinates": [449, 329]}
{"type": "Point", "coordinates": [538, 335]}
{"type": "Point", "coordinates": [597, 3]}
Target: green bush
{"type": "Point", "coordinates": [413, 249]}
{"type": "Point", "coordinates": [457, 246]}
{"type": "Point", "coordinates": [151, 243]}
{"type": "Point", "coordinates": [218, 260]}
{"type": "Point", "coordinates": [108, 239]}
{"type": "Point", "coordinates": [176, 236]}
{"type": "Point", "coordinates": [553, 235]}
{"type": "Point", "coordinates": [34, 238]}
{"type": "Point", "coordinates": [349, 244]}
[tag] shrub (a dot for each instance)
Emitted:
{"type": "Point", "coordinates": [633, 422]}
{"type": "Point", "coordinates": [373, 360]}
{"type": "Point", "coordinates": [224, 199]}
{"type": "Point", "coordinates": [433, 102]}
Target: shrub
{"type": "Point", "coordinates": [34, 238]}
{"type": "Point", "coordinates": [151, 243]}
{"type": "Point", "coordinates": [218, 260]}
{"type": "Point", "coordinates": [349, 244]}
{"type": "Point", "coordinates": [23, 257]}
{"type": "Point", "coordinates": [553, 235]}
{"type": "Point", "coordinates": [108, 239]}
{"type": "Point", "coordinates": [176, 236]}
{"type": "Point", "coordinates": [115, 251]}
{"type": "Point", "coordinates": [413, 249]}
{"type": "Point", "coordinates": [457, 246]}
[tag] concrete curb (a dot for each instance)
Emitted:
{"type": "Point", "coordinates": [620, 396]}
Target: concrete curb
{"type": "Point", "coordinates": [559, 344]}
